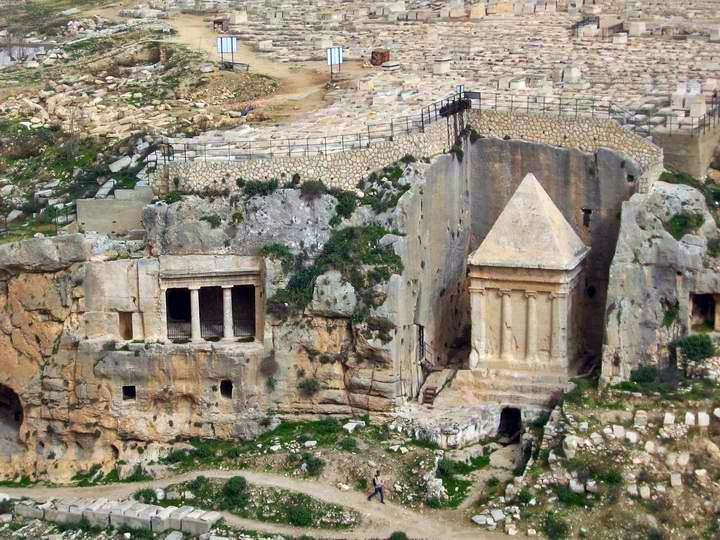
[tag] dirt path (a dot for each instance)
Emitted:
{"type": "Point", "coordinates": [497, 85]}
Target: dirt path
{"type": "Point", "coordinates": [303, 87]}
{"type": "Point", "coordinates": [378, 520]}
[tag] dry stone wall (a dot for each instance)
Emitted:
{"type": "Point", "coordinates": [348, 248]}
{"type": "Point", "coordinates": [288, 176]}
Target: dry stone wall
{"type": "Point", "coordinates": [344, 170]}
{"type": "Point", "coordinates": [341, 170]}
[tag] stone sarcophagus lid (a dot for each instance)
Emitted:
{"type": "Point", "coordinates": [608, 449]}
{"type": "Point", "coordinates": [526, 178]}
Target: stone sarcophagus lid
{"type": "Point", "coordinates": [524, 294]}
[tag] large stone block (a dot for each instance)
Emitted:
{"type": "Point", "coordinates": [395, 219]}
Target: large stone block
{"type": "Point", "coordinates": [199, 522]}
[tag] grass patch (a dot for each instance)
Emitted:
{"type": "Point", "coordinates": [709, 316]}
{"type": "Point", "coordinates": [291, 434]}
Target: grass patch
{"type": "Point", "coordinates": [265, 504]}
{"type": "Point", "coordinates": [457, 488]}
{"type": "Point", "coordinates": [684, 223]}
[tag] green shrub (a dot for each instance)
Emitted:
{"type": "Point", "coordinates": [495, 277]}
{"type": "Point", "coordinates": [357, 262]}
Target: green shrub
{"type": "Point", "coordinates": [348, 444]}
{"type": "Point", "coordinates": [309, 387]}
{"type": "Point", "coordinates": [240, 182]}
{"type": "Point", "coordinates": [554, 527]}
{"type": "Point", "coordinates": [235, 493]}
{"type": "Point", "coordinates": [694, 349]}
{"type": "Point", "coordinates": [398, 535]}
{"type": "Point", "coordinates": [263, 188]}
{"type": "Point", "coordinates": [214, 220]}
{"type": "Point", "coordinates": [713, 247]}
{"type": "Point", "coordinates": [300, 516]}
{"type": "Point", "coordinates": [279, 252]}
{"type": "Point", "coordinates": [458, 151]}
{"type": "Point", "coordinates": [147, 496]}
{"type": "Point", "coordinates": [346, 203]}
{"type": "Point", "coordinates": [525, 496]}
{"type": "Point", "coordinates": [644, 375]}
{"type": "Point", "coordinates": [313, 464]}
{"type": "Point", "coordinates": [568, 497]}
{"type": "Point", "coordinates": [173, 197]}
{"type": "Point", "coordinates": [672, 311]}
{"type": "Point", "coordinates": [684, 223]}
{"type": "Point", "coordinates": [238, 217]}
{"type": "Point", "coordinates": [312, 189]}
{"type": "Point", "coordinates": [408, 158]}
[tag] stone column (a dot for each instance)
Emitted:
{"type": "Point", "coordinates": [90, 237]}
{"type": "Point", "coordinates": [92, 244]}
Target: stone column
{"type": "Point", "coordinates": [228, 329]}
{"type": "Point", "coordinates": [717, 312]}
{"type": "Point", "coordinates": [195, 313]}
{"type": "Point", "coordinates": [506, 330]}
{"type": "Point", "coordinates": [532, 329]}
{"type": "Point", "coordinates": [559, 328]}
{"type": "Point", "coordinates": [478, 324]}
{"type": "Point", "coordinates": [163, 316]}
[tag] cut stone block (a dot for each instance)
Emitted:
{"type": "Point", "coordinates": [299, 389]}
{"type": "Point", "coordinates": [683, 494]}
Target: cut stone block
{"type": "Point", "coordinates": [161, 520]}
{"type": "Point", "coordinates": [176, 517]}
{"type": "Point", "coordinates": [199, 522]}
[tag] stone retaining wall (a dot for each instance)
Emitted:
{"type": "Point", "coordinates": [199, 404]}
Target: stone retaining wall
{"type": "Point", "coordinates": [584, 134]}
{"type": "Point", "coordinates": [345, 169]}
{"type": "Point", "coordinates": [341, 170]}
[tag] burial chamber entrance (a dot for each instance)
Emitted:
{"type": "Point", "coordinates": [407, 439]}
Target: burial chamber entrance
{"type": "Point", "coordinates": [702, 314]}
{"type": "Point", "coordinates": [11, 418]}
{"type": "Point", "coordinates": [510, 425]}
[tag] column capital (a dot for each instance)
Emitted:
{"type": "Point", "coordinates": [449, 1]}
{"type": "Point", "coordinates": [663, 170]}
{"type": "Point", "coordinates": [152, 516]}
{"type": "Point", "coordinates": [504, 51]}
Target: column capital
{"type": "Point", "coordinates": [559, 294]}
{"type": "Point", "coordinates": [531, 294]}
{"type": "Point", "coordinates": [194, 287]}
{"type": "Point", "coordinates": [504, 292]}
{"type": "Point", "coordinates": [478, 290]}
{"type": "Point", "coordinates": [227, 286]}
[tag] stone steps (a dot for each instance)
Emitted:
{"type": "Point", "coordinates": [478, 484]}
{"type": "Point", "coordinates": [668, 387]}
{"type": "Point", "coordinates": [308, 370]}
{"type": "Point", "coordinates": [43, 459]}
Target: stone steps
{"type": "Point", "coordinates": [131, 514]}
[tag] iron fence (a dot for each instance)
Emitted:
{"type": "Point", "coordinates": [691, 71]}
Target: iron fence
{"type": "Point", "coordinates": [444, 109]}
{"type": "Point", "coordinates": [179, 330]}
{"type": "Point", "coordinates": [279, 147]}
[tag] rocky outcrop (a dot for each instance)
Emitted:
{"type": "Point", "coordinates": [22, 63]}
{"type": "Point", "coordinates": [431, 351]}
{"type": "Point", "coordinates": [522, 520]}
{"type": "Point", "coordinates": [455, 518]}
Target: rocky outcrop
{"type": "Point", "coordinates": [653, 277]}
{"type": "Point", "coordinates": [239, 225]}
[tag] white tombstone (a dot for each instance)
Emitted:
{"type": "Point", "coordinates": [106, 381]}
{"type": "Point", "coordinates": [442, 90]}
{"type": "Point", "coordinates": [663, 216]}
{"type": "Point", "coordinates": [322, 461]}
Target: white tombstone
{"type": "Point", "coordinates": [620, 38]}
{"type": "Point", "coordinates": [239, 17]}
{"type": "Point", "coordinates": [441, 65]}
{"type": "Point", "coordinates": [636, 28]}
{"type": "Point", "coordinates": [571, 74]}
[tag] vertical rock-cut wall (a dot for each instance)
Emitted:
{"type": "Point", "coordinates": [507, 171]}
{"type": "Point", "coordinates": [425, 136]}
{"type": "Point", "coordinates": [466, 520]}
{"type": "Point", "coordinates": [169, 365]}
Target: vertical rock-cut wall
{"type": "Point", "coordinates": [653, 276]}
{"type": "Point", "coordinates": [434, 217]}
{"type": "Point", "coordinates": [575, 180]}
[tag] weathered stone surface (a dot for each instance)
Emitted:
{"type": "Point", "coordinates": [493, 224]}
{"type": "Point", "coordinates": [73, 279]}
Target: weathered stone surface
{"type": "Point", "coordinates": [652, 276]}
{"type": "Point", "coordinates": [333, 296]}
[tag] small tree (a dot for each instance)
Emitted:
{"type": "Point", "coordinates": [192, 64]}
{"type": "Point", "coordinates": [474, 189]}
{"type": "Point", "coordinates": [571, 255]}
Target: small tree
{"type": "Point", "coordinates": [695, 349]}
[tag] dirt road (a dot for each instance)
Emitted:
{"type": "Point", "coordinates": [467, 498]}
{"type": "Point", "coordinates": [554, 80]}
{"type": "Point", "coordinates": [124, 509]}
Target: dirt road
{"type": "Point", "coordinates": [378, 520]}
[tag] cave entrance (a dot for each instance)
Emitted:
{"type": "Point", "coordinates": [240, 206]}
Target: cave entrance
{"type": "Point", "coordinates": [179, 327]}
{"type": "Point", "coordinates": [243, 311]}
{"type": "Point", "coordinates": [702, 314]}
{"type": "Point", "coordinates": [510, 425]}
{"type": "Point", "coordinates": [211, 313]}
{"type": "Point", "coordinates": [11, 418]}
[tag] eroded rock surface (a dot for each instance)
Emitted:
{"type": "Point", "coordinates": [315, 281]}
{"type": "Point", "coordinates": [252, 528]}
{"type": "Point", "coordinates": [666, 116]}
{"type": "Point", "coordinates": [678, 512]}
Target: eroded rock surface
{"type": "Point", "coordinates": [653, 277]}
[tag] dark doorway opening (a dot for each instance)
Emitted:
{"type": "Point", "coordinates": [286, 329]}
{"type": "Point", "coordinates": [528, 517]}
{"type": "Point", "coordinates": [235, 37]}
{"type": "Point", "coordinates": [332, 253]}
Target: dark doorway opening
{"type": "Point", "coordinates": [243, 301]}
{"type": "Point", "coordinates": [510, 425]}
{"type": "Point", "coordinates": [129, 393]}
{"type": "Point", "coordinates": [125, 323]}
{"type": "Point", "coordinates": [11, 418]}
{"type": "Point", "coordinates": [226, 389]}
{"type": "Point", "coordinates": [703, 312]}
{"type": "Point", "coordinates": [211, 313]}
{"type": "Point", "coordinates": [177, 302]}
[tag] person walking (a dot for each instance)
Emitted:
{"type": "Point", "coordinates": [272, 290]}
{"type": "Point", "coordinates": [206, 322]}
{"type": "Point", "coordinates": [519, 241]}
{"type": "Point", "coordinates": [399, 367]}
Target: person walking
{"type": "Point", "coordinates": [378, 487]}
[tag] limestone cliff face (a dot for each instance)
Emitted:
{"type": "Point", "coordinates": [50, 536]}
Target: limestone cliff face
{"type": "Point", "coordinates": [653, 276]}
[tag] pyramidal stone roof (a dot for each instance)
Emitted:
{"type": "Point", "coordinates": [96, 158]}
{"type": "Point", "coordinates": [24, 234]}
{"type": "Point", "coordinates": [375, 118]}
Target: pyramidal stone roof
{"type": "Point", "coordinates": [530, 233]}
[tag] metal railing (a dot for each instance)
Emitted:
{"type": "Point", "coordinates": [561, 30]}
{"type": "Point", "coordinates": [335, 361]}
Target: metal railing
{"type": "Point", "coordinates": [179, 330]}
{"type": "Point", "coordinates": [459, 102]}
{"type": "Point", "coordinates": [278, 147]}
